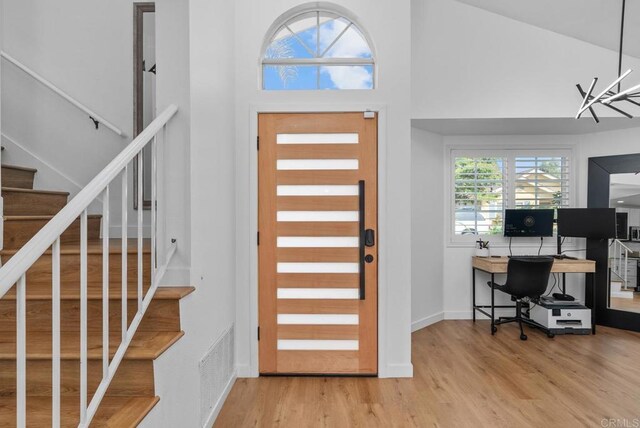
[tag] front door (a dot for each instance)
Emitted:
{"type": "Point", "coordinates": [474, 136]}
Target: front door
{"type": "Point", "coordinates": [317, 253]}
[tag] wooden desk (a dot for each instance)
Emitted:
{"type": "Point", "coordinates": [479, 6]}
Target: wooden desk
{"type": "Point", "coordinates": [498, 265]}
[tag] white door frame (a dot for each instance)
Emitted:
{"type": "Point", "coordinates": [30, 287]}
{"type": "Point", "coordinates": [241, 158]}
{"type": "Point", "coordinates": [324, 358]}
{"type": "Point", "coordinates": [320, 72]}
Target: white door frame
{"type": "Point", "coordinates": [255, 110]}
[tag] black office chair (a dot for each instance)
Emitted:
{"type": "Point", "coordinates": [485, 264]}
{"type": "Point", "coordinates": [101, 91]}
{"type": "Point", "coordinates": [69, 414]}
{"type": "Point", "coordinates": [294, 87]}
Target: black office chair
{"type": "Point", "coordinates": [527, 277]}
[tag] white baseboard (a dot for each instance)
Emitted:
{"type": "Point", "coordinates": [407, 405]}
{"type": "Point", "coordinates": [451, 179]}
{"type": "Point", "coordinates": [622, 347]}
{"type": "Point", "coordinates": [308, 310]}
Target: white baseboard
{"type": "Point", "coordinates": [216, 409]}
{"type": "Point", "coordinates": [458, 315]}
{"type": "Point", "coordinates": [396, 371]}
{"type": "Point", "coordinates": [244, 371]}
{"type": "Point", "coordinates": [426, 321]}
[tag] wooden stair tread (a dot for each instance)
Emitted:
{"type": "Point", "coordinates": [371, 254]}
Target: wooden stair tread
{"type": "Point", "coordinates": [19, 168]}
{"type": "Point", "coordinates": [145, 345]}
{"type": "Point", "coordinates": [94, 292]}
{"type": "Point", "coordinates": [94, 246]}
{"type": "Point", "coordinates": [34, 191]}
{"type": "Point", "coordinates": [121, 412]}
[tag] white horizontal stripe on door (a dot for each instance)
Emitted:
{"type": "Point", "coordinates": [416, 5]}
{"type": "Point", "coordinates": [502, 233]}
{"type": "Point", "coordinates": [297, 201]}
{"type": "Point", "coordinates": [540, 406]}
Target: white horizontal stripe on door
{"type": "Point", "coordinates": [317, 190]}
{"type": "Point", "coordinates": [316, 164]}
{"type": "Point", "coordinates": [318, 319]}
{"type": "Point", "coordinates": [317, 138]}
{"type": "Point", "coordinates": [317, 345]}
{"type": "Point", "coordinates": [318, 268]}
{"type": "Point", "coordinates": [318, 241]}
{"type": "Point", "coordinates": [318, 216]}
{"type": "Point", "coordinates": [318, 293]}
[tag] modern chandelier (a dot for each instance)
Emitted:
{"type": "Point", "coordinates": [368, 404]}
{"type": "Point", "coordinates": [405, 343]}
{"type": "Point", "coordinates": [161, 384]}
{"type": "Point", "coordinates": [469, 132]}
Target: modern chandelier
{"type": "Point", "coordinates": [609, 96]}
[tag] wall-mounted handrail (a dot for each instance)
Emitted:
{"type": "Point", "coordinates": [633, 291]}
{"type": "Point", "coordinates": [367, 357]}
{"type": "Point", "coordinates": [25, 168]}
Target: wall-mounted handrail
{"type": "Point", "coordinates": [92, 115]}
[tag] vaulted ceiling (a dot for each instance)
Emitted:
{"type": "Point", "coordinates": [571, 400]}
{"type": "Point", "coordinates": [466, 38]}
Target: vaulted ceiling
{"type": "Point", "coordinates": [592, 21]}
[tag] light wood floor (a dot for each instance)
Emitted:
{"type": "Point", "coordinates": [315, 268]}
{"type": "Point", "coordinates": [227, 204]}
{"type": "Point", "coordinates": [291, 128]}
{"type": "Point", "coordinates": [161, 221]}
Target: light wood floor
{"type": "Point", "coordinates": [631, 305]}
{"type": "Point", "coordinates": [464, 377]}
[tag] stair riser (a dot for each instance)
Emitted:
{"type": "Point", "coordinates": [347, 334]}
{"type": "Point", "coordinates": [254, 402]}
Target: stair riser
{"type": "Point", "coordinates": [22, 203]}
{"type": "Point", "coordinates": [19, 178]}
{"type": "Point", "coordinates": [18, 232]}
{"type": "Point", "coordinates": [161, 315]}
{"type": "Point", "coordinates": [40, 272]}
{"type": "Point", "coordinates": [134, 377]}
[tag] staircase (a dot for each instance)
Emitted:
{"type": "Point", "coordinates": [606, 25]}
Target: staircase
{"type": "Point", "coordinates": [131, 394]}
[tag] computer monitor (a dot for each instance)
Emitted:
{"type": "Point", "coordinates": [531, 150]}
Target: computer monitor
{"type": "Point", "coordinates": [594, 223]}
{"type": "Point", "coordinates": [528, 223]}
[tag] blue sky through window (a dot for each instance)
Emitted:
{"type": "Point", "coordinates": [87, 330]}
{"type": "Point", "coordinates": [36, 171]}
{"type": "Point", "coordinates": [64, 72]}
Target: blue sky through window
{"type": "Point", "coordinates": [338, 38]}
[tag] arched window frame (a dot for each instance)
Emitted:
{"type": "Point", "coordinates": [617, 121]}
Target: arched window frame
{"type": "Point", "coordinates": [319, 8]}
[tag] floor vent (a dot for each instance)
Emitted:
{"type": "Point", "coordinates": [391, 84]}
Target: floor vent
{"type": "Point", "coordinates": [216, 369]}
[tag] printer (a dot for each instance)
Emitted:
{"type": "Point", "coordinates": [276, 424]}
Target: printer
{"type": "Point", "coordinates": [561, 316]}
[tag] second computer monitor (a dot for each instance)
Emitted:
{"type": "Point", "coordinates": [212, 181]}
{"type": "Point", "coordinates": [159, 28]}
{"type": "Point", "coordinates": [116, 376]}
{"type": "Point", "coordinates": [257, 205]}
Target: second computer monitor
{"type": "Point", "coordinates": [528, 223]}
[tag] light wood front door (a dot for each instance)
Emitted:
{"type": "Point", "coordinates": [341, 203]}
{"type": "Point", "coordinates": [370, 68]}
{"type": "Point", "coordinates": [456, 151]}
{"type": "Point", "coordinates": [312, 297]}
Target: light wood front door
{"type": "Point", "coordinates": [318, 258]}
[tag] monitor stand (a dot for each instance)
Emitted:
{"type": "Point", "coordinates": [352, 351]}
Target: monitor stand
{"type": "Point", "coordinates": [561, 256]}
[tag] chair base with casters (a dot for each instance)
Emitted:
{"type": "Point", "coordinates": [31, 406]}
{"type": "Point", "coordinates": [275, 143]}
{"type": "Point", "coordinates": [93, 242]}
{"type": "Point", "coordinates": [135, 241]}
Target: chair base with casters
{"type": "Point", "coordinates": [520, 320]}
{"type": "Point", "coordinates": [527, 279]}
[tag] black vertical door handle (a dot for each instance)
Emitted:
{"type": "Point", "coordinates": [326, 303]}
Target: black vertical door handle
{"type": "Point", "coordinates": [362, 239]}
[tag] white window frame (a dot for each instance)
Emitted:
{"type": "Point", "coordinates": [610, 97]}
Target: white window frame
{"type": "Point", "coordinates": [318, 8]}
{"type": "Point", "coordinates": [509, 153]}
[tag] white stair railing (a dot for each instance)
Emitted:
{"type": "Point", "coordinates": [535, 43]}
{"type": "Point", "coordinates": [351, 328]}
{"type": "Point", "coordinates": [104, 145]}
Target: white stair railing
{"type": "Point", "coordinates": [14, 272]}
{"type": "Point", "coordinates": [95, 117]}
{"type": "Point", "coordinates": [620, 260]}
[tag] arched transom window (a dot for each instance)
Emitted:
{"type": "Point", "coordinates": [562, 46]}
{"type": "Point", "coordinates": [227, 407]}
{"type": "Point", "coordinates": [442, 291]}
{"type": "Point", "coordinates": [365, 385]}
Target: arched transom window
{"type": "Point", "coordinates": [317, 49]}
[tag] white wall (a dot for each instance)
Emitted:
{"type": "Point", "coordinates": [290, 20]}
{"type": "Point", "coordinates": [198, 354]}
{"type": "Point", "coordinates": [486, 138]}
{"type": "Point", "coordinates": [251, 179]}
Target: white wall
{"type": "Point", "coordinates": [173, 87]}
{"type": "Point", "coordinates": [427, 235]}
{"type": "Point", "coordinates": [85, 48]}
{"type": "Point", "coordinates": [470, 63]}
{"type": "Point", "coordinates": [456, 271]}
{"type": "Point", "coordinates": [210, 310]}
{"type": "Point", "coordinates": [388, 23]}
{"type": "Point", "coordinates": [80, 47]}
{"type": "Point", "coordinates": [457, 256]}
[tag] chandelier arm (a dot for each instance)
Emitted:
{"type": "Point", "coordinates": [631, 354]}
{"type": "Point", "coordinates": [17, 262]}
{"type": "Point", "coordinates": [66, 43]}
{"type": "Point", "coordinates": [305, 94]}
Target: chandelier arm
{"type": "Point", "coordinates": [601, 94]}
{"type": "Point", "coordinates": [588, 98]}
{"type": "Point", "coordinates": [624, 4]}
{"type": "Point", "coordinates": [633, 102]}
{"type": "Point", "coordinates": [585, 97]}
{"type": "Point", "coordinates": [624, 113]}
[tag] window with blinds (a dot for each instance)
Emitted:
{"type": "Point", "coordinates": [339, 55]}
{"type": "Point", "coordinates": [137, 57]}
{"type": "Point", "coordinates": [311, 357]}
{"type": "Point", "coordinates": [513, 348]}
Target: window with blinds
{"type": "Point", "coordinates": [541, 181]}
{"type": "Point", "coordinates": [479, 184]}
{"type": "Point", "coordinates": [486, 182]}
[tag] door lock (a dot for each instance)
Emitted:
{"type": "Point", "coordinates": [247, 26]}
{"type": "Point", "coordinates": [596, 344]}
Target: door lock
{"type": "Point", "coordinates": [368, 258]}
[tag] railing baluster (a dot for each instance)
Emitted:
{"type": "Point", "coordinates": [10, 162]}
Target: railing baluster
{"type": "Point", "coordinates": [140, 220]}
{"type": "Point", "coordinates": [124, 222]}
{"type": "Point", "coordinates": [55, 328]}
{"type": "Point", "coordinates": [153, 209]}
{"type": "Point", "coordinates": [626, 268]}
{"type": "Point", "coordinates": [105, 283]}
{"type": "Point", "coordinates": [13, 274]}
{"type": "Point", "coordinates": [83, 316]}
{"type": "Point", "coordinates": [21, 351]}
